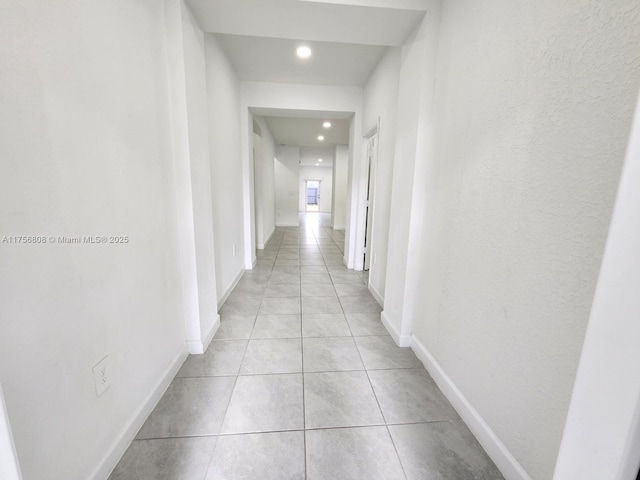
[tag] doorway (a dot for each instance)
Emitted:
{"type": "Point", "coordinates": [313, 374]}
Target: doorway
{"type": "Point", "coordinates": [312, 195]}
{"type": "Point", "coordinates": [371, 161]}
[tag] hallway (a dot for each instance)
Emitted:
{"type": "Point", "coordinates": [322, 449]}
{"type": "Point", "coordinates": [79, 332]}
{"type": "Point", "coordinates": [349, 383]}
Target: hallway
{"type": "Point", "coordinates": [303, 381]}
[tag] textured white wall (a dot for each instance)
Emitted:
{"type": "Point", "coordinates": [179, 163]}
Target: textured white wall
{"type": "Point", "coordinates": [286, 175]}
{"type": "Point", "coordinates": [223, 91]}
{"type": "Point", "coordinates": [85, 142]}
{"type": "Point", "coordinates": [380, 100]}
{"type": "Point", "coordinates": [602, 434]}
{"type": "Point", "coordinates": [514, 187]}
{"type": "Point", "coordinates": [325, 175]}
{"type": "Point", "coordinates": [339, 195]}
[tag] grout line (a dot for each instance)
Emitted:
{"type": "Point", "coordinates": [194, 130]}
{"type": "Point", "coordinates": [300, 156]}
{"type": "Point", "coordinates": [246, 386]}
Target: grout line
{"type": "Point", "coordinates": [336, 427]}
{"type": "Point", "coordinates": [304, 411]}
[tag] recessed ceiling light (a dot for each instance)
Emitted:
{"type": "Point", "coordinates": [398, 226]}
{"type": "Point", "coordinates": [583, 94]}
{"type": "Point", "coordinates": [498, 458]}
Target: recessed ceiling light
{"type": "Point", "coordinates": [319, 159]}
{"type": "Point", "coordinates": [326, 124]}
{"type": "Point", "coordinates": [303, 52]}
{"type": "Point", "coordinates": [320, 137]}
{"type": "Point", "coordinates": [317, 164]}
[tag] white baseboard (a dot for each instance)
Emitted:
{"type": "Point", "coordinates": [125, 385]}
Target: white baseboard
{"type": "Point", "coordinates": [376, 295]}
{"type": "Point", "coordinates": [229, 289]}
{"type": "Point", "coordinates": [287, 224]}
{"type": "Point", "coordinates": [401, 340]}
{"type": "Point", "coordinates": [270, 235]}
{"type": "Point", "coordinates": [338, 227]}
{"type": "Point", "coordinates": [206, 341]}
{"type": "Point", "coordinates": [504, 460]}
{"type": "Point", "coordinates": [199, 347]}
{"type": "Point", "coordinates": [261, 246]}
{"type": "Point", "coordinates": [128, 433]}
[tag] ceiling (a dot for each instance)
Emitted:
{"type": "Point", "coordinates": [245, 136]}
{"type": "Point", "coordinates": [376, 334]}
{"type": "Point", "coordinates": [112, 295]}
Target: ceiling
{"type": "Point", "coordinates": [300, 128]}
{"type": "Point", "coordinates": [303, 132]}
{"type": "Point", "coordinates": [274, 60]}
{"type": "Point", "coordinates": [347, 38]}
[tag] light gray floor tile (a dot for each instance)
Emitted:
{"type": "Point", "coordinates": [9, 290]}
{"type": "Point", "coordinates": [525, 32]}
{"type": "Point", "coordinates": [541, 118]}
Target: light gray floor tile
{"type": "Point", "coordinates": [277, 326]}
{"type": "Point", "coordinates": [410, 395]}
{"type": "Point", "coordinates": [283, 290]}
{"type": "Point", "coordinates": [263, 403]}
{"type": "Point", "coordinates": [278, 277]}
{"type": "Point", "coordinates": [241, 304]}
{"type": "Point", "coordinates": [287, 261]}
{"type": "Point", "coordinates": [338, 269]}
{"type": "Point", "coordinates": [339, 399]}
{"type": "Point", "coordinates": [290, 269]}
{"type": "Point", "coordinates": [352, 289]}
{"type": "Point", "coordinates": [235, 327]}
{"type": "Point", "coordinates": [311, 261]}
{"type": "Point", "coordinates": [333, 259]}
{"type": "Point", "coordinates": [260, 262]}
{"type": "Point", "coordinates": [280, 306]}
{"type": "Point", "coordinates": [288, 256]}
{"type": "Point", "coordinates": [360, 304]}
{"type": "Point", "coordinates": [251, 288]}
{"type": "Point", "coordinates": [268, 456]}
{"type": "Point", "coordinates": [275, 355]}
{"type": "Point", "coordinates": [364, 453]}
{"type": "Point", "coordinates": [314, 270]}
{"type": "Point", "coordinates": [331, 355]}
{"type": "Point", "coordinates": [348, 277]}
{"type": "Point", "coordinates": [442, 451]}
{"type": "Point", "coordinates": [189, 407]}
{"type": "Point", "coordinates": [321, 305]}
{"type": "Point", "coordinates": [366, 323]}
{"type": "Point", "coordinates": [324, 325]}
{"type": "Point", "coordinates": [316, 278]}
{"type": "Point", "coordinates": [329, 248]}
{"type": "Point", "coordinates": [223, 357]}
{"type": "Point", "coordinates": [165, 459]}
{"type": "Point", "coordinates": [318, 290]}
{"type": "Point", "coordinates": [382, 352]}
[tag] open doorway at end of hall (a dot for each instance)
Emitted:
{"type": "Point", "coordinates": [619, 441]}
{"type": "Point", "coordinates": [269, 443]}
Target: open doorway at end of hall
{"type": "Point", "coordinates": [312, 195]}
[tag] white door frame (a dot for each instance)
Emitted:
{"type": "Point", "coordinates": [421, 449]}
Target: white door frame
{"type": "Point", "coordinates": [362, 195]}
{"type": "Point", "coordinates": [306, 198]}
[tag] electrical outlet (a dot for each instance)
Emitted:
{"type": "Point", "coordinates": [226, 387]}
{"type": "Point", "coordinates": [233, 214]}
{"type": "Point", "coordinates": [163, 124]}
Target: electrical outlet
{"type": "Point", "coordinates": [102, 376]}
{"type": "Point", "coordinates": [234, 250]}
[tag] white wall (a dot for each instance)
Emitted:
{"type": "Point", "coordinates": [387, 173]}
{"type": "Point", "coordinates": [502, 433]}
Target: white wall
{"type": "Point", "coordinates": [602, 435]}
{"type": "Point", "coordinates": [286, 165]}
{"type": "Point", "coordinates": [9, 463]}
{"type": "Point", "coordinates": [227, 175]}
{"type": "Point", "coordinates": [265, 184]}
{"type": "Point", "coordinates": [519, 151]}
{"type": "Point", "coordinates": [324, 174]}
{"type": "Point", "coordinates": [339, 196]}
{"type": "Point", "coordinates": [85, 142]}
{"type": "Point", "coordinates": [198, 144]}
{"type": "Point", "coordinates": [380, 102]}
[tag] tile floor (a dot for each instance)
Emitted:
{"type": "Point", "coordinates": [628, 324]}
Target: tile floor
{"type": "Point", "coordinates": [302, 381]}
